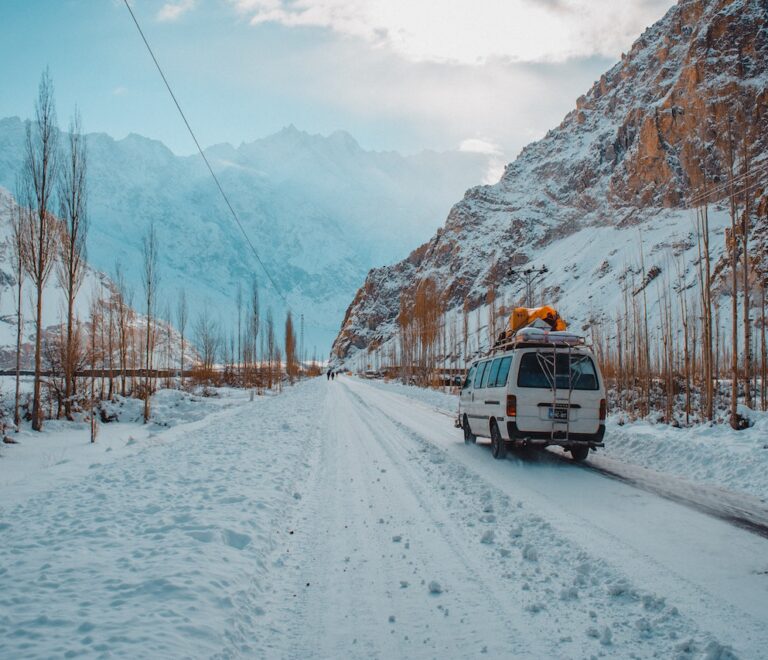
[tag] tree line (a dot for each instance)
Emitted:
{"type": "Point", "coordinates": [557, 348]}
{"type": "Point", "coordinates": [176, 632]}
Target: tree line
{"type": "Point", "coordinates": [117, 350]}
{"type": "Point", "coordinates": [706, 351]}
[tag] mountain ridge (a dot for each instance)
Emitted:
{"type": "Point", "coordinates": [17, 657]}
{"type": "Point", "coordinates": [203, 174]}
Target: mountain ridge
{"type": "Point", "coordinates": [626, 157]}
{"type": "Point", "coordinates": [321, 211]}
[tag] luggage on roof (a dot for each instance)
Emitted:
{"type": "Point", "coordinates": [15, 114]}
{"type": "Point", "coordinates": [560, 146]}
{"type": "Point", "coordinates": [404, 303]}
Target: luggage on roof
{"type": "Point", "coordinates": [537, 325]}
{"type": "Point", "coordinates": [524, 316]}
{"type": "Point", "coordinates": [535, 335]}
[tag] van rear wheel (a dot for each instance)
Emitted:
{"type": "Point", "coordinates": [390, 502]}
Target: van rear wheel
{"type": "Point", "coordinates": [579, 453]}
{"type": "Point", "coordinates": [469, 437]}
{"type": "Point", "coordinates": [498, 444]}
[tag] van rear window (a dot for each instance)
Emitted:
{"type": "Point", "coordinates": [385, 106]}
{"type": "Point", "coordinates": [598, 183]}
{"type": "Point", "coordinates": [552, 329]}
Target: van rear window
{"type": "Point", "coordinates": [536, 370]}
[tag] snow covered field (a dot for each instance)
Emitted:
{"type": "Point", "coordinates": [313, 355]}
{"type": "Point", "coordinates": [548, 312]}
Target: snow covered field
{"type": "Point", "coordinates": [349, 520]}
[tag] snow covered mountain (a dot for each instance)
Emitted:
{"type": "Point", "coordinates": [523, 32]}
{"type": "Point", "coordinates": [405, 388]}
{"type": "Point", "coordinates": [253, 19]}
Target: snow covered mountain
{"type": "Point", "coordinates": [612, 180]}
{"type": "Point", "coordinates": [320, 210]}
{"type": "Point", "coordinates": [95, 284]}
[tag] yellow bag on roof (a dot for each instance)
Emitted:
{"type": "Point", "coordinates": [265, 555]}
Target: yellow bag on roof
{"type": "Point", "coordinates": [523, 316]}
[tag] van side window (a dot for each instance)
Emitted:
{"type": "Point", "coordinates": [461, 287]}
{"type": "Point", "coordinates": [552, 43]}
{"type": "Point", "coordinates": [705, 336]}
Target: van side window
{"type": "Point", "coordinates": [486, 373]}
{"type": "Point", "coordinates": [479, 375]}
{"type": "Point", "coordinates": [493, 373]}
{"type": "Point", "coordinates": [468, 379]}
{"type": "Point", "coordinates": [501, 377]}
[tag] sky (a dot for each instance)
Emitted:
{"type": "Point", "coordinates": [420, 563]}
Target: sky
{"type": "Point", "coordinates": [405, 75]}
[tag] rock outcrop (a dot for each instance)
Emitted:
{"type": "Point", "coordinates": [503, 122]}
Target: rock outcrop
{"type": "Point", "coordinates": [622, 170]}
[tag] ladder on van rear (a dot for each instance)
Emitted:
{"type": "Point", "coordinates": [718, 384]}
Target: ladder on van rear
{"type": "Point", "coordinates": [548, 363]}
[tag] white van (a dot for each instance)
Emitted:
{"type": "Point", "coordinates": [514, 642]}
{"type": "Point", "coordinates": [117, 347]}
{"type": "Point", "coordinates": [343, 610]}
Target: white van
{"type": "Point", "coordinates": [533, 395]}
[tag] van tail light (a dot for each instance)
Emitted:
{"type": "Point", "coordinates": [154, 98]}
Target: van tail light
{"type": "Point", "coordinates": [603, 409]}
{"type": "Point", "coordinates": [511, 405]}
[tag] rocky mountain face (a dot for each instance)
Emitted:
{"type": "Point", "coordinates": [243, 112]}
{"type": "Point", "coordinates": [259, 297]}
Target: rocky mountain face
{"type": "Point", "coordinates": [616, 179]}
{"type": "Point", "coordinates": [321, 210]}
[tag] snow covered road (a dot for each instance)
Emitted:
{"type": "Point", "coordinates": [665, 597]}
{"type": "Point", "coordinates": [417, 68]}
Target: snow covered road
{"type": "Point", "coordinates": [346, 520]}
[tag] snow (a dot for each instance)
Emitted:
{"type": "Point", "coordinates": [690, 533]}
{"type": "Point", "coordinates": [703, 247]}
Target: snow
{"type": "Point", "coordinates": [94, 284]}
{"type": "Point", "coordinates": [584, 201]}
{"type": "Point", "coordinates": [321, 211]}
{"type": "Point", "coordinates": [64, 451]}
{"type": "Point", "coordinates": [151, 553]}
{"type": "Point", "coordinates": [349, 519]}
{"type": "Point", "coordinates": [717, 455]}
{"type": "Point", "coordinates": [714, 455]}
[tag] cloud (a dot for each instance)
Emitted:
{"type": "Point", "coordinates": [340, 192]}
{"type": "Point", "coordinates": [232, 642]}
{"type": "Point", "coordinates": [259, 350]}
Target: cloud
{"type": "Point", "coordinates": [496, 160]}
{"type": "Point", "coordinates": [457, 31]}
{"type": "Point", "coordinates": [172, 11]}
{"type": "Point", "coordinates": [389, 102]}
{"type": "Point", "coordinates": [479, 146]}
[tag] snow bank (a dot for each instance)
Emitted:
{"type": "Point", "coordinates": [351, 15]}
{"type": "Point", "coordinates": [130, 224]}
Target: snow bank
{"type": "Point", "coordinates": [715, 455]}
{"type": "Point", "coordinates": [64, 451]}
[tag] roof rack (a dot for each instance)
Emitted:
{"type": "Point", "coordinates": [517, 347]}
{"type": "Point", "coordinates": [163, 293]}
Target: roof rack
{"type": "Point", "coordinates": [533, 336]}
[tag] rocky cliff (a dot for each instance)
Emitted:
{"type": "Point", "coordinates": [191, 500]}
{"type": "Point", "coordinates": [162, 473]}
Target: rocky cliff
{"type": "Point", "coordinates": [615, 179]}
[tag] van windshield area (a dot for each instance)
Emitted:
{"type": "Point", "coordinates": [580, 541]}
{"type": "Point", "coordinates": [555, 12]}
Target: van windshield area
{"type": "Point", "coordinates": [536, 370]}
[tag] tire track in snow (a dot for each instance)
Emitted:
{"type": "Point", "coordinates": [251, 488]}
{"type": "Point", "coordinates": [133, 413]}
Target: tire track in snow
{"type": "Point", "coordinates": [371, 554]}
{"type": "Point", "coordinates": [732, 622]}
{"type": "Point", "coordinates": [509, 612]}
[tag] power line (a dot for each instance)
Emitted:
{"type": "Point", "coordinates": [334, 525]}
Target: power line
{"type": "Point", "coordinates": [760, 169]}
{"type": "Point", "coordinates": [205, 159]}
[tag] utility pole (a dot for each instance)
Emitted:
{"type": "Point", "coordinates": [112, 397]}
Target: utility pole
{"type": "Point", "coordinates": [529, 276]}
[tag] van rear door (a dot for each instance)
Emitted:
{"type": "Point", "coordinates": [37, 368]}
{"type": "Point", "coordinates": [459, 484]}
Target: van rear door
{"type": "Point", "coordinates": [557, 391]}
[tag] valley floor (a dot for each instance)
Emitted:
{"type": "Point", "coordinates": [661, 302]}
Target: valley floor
{"type": "Point", "coordinates": [349, 520]}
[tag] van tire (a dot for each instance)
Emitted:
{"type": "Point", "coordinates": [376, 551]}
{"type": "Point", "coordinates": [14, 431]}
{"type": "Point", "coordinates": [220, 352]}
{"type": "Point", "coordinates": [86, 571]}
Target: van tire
{"type": "Point", "coordinates": [498, 444]}
{"type": "Point", "coordinates": [469, 437]}
{"type": "Point", "coordinates": [579, 453]}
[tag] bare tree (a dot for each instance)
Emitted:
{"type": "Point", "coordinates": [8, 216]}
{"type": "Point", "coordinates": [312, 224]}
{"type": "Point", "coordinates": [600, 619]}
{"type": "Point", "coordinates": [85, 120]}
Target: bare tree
{"type": "Point", "coordinates": [39, 176]}
{"type": "Point", "coordinates": [123, 301]}
{"type": "Point", "coordinates": [705, 289]}
{"type": "Point", "coordinates": [745, 227]}
{"type": "Point", "coordinates": [291, 364]}
{"type": "Point", "coordinates": [182, 317]}
{"type": "Point", "coordinates": [74, 229]}
{"type": "Point", "coordinates": [239, 305]}
{"type": "Point", "coordinates": [20, 217]}
{"type": "Point", "coordinates": [730, 160]}
{"type": "Point", "coordinates": [96, 320]}
{"type": "Point", "coordinates": [150, 280]}
{"type": "Point", "coordinates": [255, 318]}
{"type": "Point", "coordinates": [207, 340]}
{"type": "Point", "coordinates": [270, 332]}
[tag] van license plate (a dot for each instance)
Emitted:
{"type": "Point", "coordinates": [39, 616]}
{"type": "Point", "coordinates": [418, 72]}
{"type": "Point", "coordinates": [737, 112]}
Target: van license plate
{"type": "Point", "coordinates": [559, 414]}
